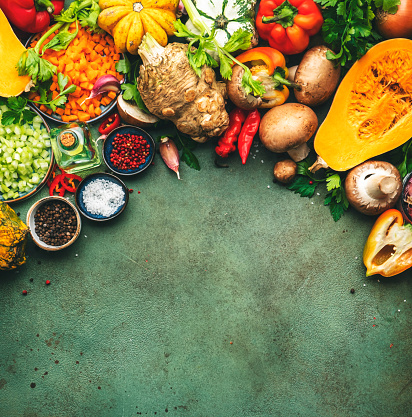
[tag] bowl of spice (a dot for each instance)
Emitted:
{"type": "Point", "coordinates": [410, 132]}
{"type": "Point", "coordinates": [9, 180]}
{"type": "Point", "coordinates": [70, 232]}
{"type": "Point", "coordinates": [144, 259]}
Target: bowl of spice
{"type": "Point", "coordinates": [128, 150]}
{"type": "Point", "coordinates": [54, 223]}
{"type": "Point", "coordinates": [101, 196]}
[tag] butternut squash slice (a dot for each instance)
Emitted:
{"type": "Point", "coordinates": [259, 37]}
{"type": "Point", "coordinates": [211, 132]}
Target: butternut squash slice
{"type": "Point", "coordinates": [11, 83]}
{"type": "Point", "coordinates": [372, 109]}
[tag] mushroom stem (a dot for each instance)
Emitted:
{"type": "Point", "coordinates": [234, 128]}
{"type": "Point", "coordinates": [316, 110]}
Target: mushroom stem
{"type": "Point", "coordinates": [380, 186]}
{"type": "Point", "coordinates": [299, 153]}
{"type": "Point", "coordinates": [319, 163]}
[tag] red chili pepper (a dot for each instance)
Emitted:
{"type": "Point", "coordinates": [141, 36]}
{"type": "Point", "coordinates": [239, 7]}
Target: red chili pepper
{"type": "Point", "coordinates": [30, 15]}
{"type": "Point", "coordinates": [109, 124]}
{"type": "Point", "coordinates": [247, 134]}
{"type": "Point", "coordinates": [54, 186]}
{"type": "Point", "coordinates": [226, 144]}
{"type": "Point", "coordinates": [68, 184]}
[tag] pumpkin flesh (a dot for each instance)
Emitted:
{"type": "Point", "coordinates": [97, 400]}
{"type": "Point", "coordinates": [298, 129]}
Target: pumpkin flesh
{"type": "Point", "coordinates": [11, 83]}
{"type": "Point", "coordinates": [371, 113]}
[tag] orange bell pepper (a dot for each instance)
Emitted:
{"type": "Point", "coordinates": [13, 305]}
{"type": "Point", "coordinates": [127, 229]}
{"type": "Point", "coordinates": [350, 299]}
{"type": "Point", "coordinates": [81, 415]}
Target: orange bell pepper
{"type": "Point", "coordinates": [388, 249]}
{"type": "Point", "coordinates": [270, 57]}
{"type": "Point", "coordinates": [268, 66]}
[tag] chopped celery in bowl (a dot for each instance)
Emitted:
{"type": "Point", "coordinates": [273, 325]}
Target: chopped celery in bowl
{"type": "Point", "coordinates": [25, 158]}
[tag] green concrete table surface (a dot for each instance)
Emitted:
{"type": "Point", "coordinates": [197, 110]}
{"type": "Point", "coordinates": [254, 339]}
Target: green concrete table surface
{"type": "Point", "coordinates": [219, 295]}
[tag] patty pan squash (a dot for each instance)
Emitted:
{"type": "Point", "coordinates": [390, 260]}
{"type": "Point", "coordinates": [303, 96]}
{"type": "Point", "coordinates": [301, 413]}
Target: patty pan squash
{"type": "Point", "coordinates": [128, 20]}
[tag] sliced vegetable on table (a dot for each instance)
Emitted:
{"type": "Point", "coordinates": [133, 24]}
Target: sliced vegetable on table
{"type": "Point", "coordinates": [13, 239]}
{"type": "Point", "coordinates": [288, 24]}
{"type": "Point", "coordinates": [388, 249]}
{"type": "Point", "coordinates": [371, 113]}
{"type": "Point", "coordinates": [11, 83]}
{"type": "Point", "coordinates": [128, 20]}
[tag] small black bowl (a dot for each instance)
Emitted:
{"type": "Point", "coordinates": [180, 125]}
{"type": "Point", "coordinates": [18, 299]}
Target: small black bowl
{"type": "Point", "coordinates": [133, 130]}
{"type": "Point", "coordinates": [100, 176]}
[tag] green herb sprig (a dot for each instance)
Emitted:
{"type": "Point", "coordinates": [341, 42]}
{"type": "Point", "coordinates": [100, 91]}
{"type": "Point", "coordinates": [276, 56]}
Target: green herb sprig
{"type": "Point", "coordinates": [348, 26]}
{"type": "Point", "coordinates": [306, 183]}
{"type": "Point", "coordinates": [129, 66]}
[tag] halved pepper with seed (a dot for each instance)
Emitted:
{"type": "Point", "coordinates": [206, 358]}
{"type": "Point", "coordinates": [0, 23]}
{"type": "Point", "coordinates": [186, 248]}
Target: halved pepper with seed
{"type": "Point", "coordinates": [388, 249]}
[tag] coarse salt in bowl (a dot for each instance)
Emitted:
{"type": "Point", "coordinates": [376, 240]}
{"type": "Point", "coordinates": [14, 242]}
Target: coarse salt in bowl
{"type": "Point", "coordinates": [101, 196]}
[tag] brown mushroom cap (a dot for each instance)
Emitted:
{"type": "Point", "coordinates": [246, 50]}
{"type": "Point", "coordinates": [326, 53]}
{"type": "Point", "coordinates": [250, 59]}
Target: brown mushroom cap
{"type": "Point", "coordinates": [237, 93]}
{"type": "Point", "coordinates": [373, 187]}
{"type": "Point", "coordinates": [287, 128]}
{"type": "Point", "coordinates": [285, 171]}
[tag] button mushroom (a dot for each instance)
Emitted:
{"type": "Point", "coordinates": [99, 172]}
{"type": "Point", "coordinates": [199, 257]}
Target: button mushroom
{"type": "Point", "coordinates": [373, 187]}
{"type": "Point", "coordinates": [237, 93]}
{"type": "Point", "coordinates": [287, 128]}
{"type": "Point", "coordinates": [285, 171]}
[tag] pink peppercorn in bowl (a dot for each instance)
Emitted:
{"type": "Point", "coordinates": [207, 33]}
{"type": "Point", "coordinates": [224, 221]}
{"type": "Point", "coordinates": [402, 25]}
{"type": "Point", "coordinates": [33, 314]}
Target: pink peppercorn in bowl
{"type": "Point", "coordinates": [128, 150]}
{"type": "Point", "coordinates": [54, 223]}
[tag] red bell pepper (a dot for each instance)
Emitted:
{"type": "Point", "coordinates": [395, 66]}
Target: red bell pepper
{"type": "Point", "coordinates": [30, 15]}
{"type": "Point", "coordinates": [109, 124]}
{"type": "Point", "coordinates": [287, 25]}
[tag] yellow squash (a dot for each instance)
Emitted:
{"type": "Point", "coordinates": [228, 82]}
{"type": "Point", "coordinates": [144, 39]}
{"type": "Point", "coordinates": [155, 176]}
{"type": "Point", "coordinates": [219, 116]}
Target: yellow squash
{"type": "Point", "coordinates": [372, 109]}
{"type": "Point", "coordinates": [11, 84]}
{"type": "Point", "coordinates": [127, 21]}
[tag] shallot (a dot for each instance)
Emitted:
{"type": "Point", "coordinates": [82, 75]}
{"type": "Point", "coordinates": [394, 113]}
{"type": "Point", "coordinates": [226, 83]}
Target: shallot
{"type": "Point", "coordinates": [104, 83]}
{"type": "Point", "coordinates": [170, 154]}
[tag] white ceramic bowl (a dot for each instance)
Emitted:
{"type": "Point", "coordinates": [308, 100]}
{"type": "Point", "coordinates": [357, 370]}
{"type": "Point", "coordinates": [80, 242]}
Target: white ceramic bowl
{"type": "Point", "coordinates": [30, 222]}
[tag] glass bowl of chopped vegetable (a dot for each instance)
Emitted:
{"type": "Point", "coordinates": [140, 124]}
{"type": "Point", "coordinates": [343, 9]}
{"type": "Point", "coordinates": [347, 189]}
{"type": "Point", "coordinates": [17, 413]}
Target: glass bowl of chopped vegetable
{"type": "Point", "coordinates": [26, 156]}
{"type": "Point", "coordinates": [128, 150]}
{"type": "Point", "coordinates": [54, 223]}
{"type": "Point", "coordinates": [101, 196]}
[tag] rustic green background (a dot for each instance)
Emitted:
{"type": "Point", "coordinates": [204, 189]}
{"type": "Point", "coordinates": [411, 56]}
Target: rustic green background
{"type": "Point", "coordinates": [220, 295]}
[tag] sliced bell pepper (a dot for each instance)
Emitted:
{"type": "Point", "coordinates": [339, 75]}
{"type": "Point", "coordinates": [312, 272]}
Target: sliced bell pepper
{"type": "Point", "coordinates": [271, 57]}
{"type": "Point", "coordinates": [388, 249]}
{"type": "Point", "coordinates": [287, 25]}
{"type": "Point", "coordinates": [109, 124]}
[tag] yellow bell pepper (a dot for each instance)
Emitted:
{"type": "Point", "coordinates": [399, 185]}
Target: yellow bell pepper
{"type": "Point", "coordinates": [388, 249]}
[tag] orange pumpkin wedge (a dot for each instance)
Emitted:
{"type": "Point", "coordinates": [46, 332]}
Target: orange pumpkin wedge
{"type": "Point", "coordinates": [371, 112]}
{"type": "Point", "coordinates": [11, 83]}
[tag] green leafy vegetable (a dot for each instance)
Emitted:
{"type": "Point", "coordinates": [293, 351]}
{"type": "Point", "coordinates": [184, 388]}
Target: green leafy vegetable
{"type": "Point", "coordinates": [306, 183]}
{"type": "Point", "coordinates": [348, 26]}
{"type": "Point", "coordinates": [206, 41]}
{"type": "Point", "coordinates": [17, 112]}
{"type": "Point", "coordinates": [39, 69]}
{"type": "Point", "coordinates": [129, 66]}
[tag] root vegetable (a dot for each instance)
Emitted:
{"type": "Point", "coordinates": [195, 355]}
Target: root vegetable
{"type": "Point", "coordinates": [317, 76]}
{"type": "Point", "coordinates": [287, 128]}
{"type": "Point", "coordinates": [132, 115]}
{"type": "Point", "coordinates": [171, 90]}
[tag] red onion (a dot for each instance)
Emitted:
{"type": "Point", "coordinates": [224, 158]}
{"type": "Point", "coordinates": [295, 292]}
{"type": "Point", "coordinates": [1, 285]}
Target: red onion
{"type": "Point", "coordinates": [104, 83]}
{"type": "Point", "coordinates": [170, 154]}
{"type": "Point", "coordinates": [398, 25]}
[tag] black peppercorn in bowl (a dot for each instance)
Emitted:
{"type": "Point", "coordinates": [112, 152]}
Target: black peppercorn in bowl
{"type": "Point", "coordinates": [54, 223]}
{"type": "Point", "coordinates": [128, 150]}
